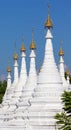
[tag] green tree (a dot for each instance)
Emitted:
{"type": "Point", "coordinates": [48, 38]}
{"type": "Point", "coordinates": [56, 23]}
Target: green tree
{"type": "Point", "coordinates": [64, 119]}
{"type": "Point", "coordinates": [66, 98]}
{"type": "Point", "coordinates": [3, 86]}
{"type": "Point", "coordinates": [0, 84]}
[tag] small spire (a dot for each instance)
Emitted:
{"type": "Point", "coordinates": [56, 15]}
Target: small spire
{"type": "Point", "coordinates": [23, 47]}
{"type": "Point", "coordinates": [9, 68]}
{"type": "Point", "coordinates": [15, 54]}
{"type": "Point", "coordinates": [61, 52]}
{"type": "Point", "coordinates": [33, 46]}
{"type": "Point", "coordinates": [48, 23]}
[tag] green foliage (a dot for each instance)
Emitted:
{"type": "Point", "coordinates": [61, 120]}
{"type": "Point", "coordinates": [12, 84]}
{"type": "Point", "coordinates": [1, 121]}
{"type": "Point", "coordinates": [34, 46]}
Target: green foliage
{"type": "Point", "coordinates": [69, 77]}
{"type": "Point", "coordinates": [3, 86]}
{"type": "Point", "coordinates": [1, 96]}
{"type": "Point", "coordinates": [66, 98]}
{"type": "Point", "coordinates": [64, 119]}
{"type": "Point", "coordinates": [65, 76]}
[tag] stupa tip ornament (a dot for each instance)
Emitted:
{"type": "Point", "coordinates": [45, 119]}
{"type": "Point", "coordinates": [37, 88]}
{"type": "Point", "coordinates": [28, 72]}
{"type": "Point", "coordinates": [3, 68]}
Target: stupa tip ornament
{"type": "Point", "coordinates": [32, 45]}
{"type": "Point", "coordinates": [8, 69]}
{"type": "Point", "coordinates": [61, 52]}
{"type": "Point", "coordinates": [23, 47]}
{"type": "Point", "coordinates": [68, 73]}
{"type": "Point", "coordinates": [15, 56]}
{"type": "Point", "coordinates": [48, 23]}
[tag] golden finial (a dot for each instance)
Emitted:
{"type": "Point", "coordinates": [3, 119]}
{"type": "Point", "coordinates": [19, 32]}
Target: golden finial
{"type": "Point", "coordinates": [33, 46]}
{"type": "Point", "coordinates": [68, 73]}
{"type": "Point", "coordinates": [23, 47]}
{"type": "Point", "coordinates": [8, 68]}
{"type": "Point", "coordinates": [15, 54]}
{"type": "Point", "coordinates": [48, 23]}
{"type": "Point", "coordinates": [61, 52]}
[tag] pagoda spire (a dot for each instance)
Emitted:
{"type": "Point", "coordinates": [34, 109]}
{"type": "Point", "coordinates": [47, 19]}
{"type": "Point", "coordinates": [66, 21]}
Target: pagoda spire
{"type": "Point", "coordinates": [9, 76]}
{"type": "Point", "coordinates": [48, 23]}
{"type": "Point", "coordinates": [68, 76]}
{"type": "Point", "coordinates": [32, 56]}
{"type": "Point", "coordinates": [32, 45]}
{"type": "Point", "coordinates": [8, 82]}
{"type": "Point", "coordinates": [23, 72]}
{"type": "Point", "coordinates": [61, 62]}
{"type": "Point", "coordinates": [30, 84]}
{"type": "Point", "coordinates": [61, 65]}
{"type": "Point", "coordinates": [49, 57]}
{"type": "Point", "coordinates": [61, 52]}
{"type": "Point", "coordinates": [15, 66]}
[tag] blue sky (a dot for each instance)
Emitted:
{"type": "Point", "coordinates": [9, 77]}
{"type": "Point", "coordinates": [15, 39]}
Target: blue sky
{"type": "Point", "coordinates": [17, 17]}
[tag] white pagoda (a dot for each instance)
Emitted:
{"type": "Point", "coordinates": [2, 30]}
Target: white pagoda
{"type": "Point", "coordinates": [32, 101]}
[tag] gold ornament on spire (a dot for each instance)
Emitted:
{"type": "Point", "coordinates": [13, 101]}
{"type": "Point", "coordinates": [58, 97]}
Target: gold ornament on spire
{"type": "Point", "coordinates": [23, 47]}
{"type": "Point", "coordinates": [32, 46]}
{"type": "Point", "coordinates": [8, 68]}
{"type": "Point", "coordinates": [48, 23]}
{"type": "Point", "coordinates": [15, 54]}
{"type": "Point", "coordinates": [68, 73]}
{"type": "Point", "coordinates": [61, 52]}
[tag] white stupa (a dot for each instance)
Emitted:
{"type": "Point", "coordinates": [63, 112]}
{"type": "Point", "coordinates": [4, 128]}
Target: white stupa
{"type": "Point", "coordinates": [4, 104]}
{"type": "Point", "coordinates": [35, 99]}
{"type": "Point", "coordinates": [8, 85]}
